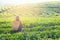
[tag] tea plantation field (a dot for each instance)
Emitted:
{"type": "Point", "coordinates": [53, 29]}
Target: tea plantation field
{"type": "Point", "coordinates": [34, 28]}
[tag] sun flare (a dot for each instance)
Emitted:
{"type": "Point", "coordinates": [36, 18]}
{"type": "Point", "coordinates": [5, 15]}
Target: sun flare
{"type": "Point", "coordinates": [5, 2]}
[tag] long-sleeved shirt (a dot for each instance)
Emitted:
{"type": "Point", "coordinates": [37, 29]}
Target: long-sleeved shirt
{"type": "Point", "coordinates": [15, 25]}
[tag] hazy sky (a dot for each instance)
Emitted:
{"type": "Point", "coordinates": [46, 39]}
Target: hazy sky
{"type": "Point", "coordinates": [8, 2]}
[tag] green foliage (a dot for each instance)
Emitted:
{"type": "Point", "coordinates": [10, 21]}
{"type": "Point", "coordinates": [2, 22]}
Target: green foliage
{"type": "Point", "coordinates": [34, 28]}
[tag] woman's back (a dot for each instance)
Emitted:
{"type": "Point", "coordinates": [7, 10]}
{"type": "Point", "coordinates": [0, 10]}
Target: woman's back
{"type": "Point", "coordinates": [17, 25]}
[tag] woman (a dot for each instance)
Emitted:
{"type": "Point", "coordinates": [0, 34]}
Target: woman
{"type": "Point", "coordinates": [17, 25]}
